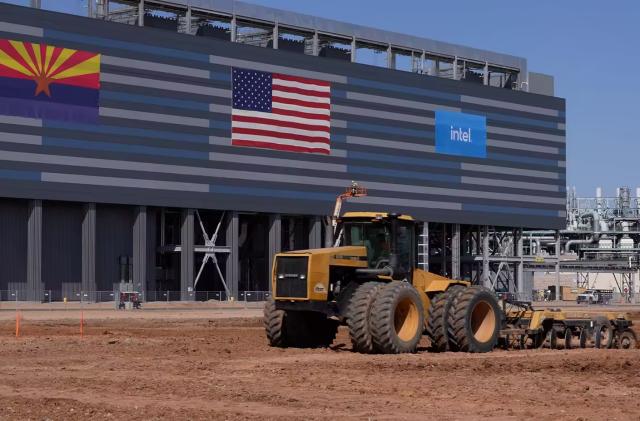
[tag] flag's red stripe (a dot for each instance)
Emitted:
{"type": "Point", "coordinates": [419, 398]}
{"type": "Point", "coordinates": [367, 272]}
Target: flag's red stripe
{"type": "Point", "coordinates": [279, 123]}
{"type": "Point", "coordinates": [7, 72]}
{"type": "Point", "coordinates": [29, 47]}
{"type": "Point", "coordinates": [277, 146]}
{"type": "Point", "coordinates": [76, 58]}
{"type": "Point", "coordinates": [280, 111]}
{"type": "Point", "coordinates": [301, 79]}
{"type": "Point", "coordinates": [308, 104]}
{"type": "Point", "coordinates": [300, 91]}
{"type": "Point", "coordinates": [43, 49]}
{"type": "Point", "coordinates": [8, 48]}
{"type": "Point", "coordinates": [280, 135]}
{"type": "Point", "coordinates": [91, 81]}
{"type": "Point", "coordinates": [54, 57]}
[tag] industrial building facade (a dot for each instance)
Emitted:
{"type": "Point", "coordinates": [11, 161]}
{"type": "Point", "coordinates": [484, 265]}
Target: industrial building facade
{"type": "Point", "coordinates": [155, 182]}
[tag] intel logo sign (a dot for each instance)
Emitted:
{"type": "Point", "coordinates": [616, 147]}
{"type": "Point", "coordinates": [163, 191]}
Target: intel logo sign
{"type": "Point", "coordinates": [461, 134]}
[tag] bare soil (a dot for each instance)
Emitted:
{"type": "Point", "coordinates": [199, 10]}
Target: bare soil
{"type": "Point", "coordinates": [221, 368]}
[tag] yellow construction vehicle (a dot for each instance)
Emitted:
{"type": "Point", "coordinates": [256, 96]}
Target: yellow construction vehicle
{"type": "Point", "coordinates": [370, 282]}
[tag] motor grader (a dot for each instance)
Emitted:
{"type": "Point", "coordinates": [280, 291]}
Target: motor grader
{"type": "Point", "coordinates": [370, 282]}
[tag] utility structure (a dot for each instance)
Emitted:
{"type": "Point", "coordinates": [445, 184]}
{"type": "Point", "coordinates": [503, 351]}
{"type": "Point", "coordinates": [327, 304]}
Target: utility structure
{"type": "Point", "coordinates": [160, 179]}
{"type": "Point", "coordinates": [602, 236]}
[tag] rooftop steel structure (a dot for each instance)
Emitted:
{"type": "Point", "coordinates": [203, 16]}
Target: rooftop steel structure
{"type": "Point", "coordinates": [268, 25]}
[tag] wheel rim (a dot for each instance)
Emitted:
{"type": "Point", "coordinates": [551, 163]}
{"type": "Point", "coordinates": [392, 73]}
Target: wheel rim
{"type": "Point", "coordinates": [625, 342]}
{"type": "Point", "coordinates": [406, 319]}
{"type": "Point", "coordinates": [483, 321]}
{"type": "Point", "coordinates": [605, 337]}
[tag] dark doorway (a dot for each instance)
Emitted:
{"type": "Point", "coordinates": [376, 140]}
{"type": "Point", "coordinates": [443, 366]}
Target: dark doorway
{"type": "Point", "coordinates": [253, 247]}
{"type": "Point", "coordinates": [295, 232]}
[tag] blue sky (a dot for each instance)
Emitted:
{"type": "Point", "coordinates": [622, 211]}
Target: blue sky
{"type": "Point", "coordinates": [589, 46]}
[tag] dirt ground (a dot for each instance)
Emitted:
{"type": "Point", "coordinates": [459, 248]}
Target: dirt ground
{"type": "Point", "coordinates": [221, 368]}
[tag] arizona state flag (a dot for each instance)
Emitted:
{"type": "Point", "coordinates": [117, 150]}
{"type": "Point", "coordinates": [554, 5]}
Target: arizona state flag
{"type": "Point", "coordinates": [43, 81]}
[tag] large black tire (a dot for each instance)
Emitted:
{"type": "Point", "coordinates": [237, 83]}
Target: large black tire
{"type": "Point", "coordinates": [603, 336]}
{"type": "Point", "coordinates": [627, 340]}
{"type": "Point", "coordinates": [584, 337]}
{"type": "Point", "coordinates": [397, 318]}
{"type": "Point", "coordinates": [298, 329]}
{"type": "Point", "coordinates": [358, 317]}
{"type": "Point", "coordinates": [476, 320]}
{"type": "Point", "coordinates": [568, 336]}
{"type": "Point", "coordinates": [438, 323]}
{"type": "Point", "coordinates": [274, 324]}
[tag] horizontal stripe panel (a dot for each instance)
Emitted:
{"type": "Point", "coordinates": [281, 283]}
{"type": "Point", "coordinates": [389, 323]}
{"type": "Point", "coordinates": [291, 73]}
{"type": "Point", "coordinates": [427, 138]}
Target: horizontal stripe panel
{"type": "Point", "coordinates": [510, 210]}
{"type": "Point", "coordinates": [379, 99]}
{"type": "Point", "coordinates": [526, 134]}
{"type": "Point", "coordinates": [509, 171]}
{"type": "Point", "coordinates": [267, 67]}
{"type": "Point", "coordinates": [123, 182]}
{"type": "Point", "coordinates": [164, 85]}
{"type": "Point", "coordinates": [382, 114]}
{"type": "Point", "coordinates": [128, 131]}
{"type": "Point", "coordinates": [263, 176]}
{"type": "Point", "coordinates": [522, 146]}
{"type": "Point", "coordinates": [153, 117]}
{"type": "Point", "coordinates": [128, 148]}
{"type": "Point", "coordinates": [20, 138]}
{"type": "Point", "coordinates": [510, 105]}
{"type": "Point", "coordinates": [154, 66]}
{"type": "Point", "coordinates": [509, 183]}
{"type": "Point", "coordinates": [125, 45]}
{"type": "Point", "coordinates": [15, 28]}
{"type": "Point", "coordinates": [276, 162]}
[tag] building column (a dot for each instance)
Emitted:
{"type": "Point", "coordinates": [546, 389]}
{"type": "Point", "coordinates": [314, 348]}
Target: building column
{"type": "Point", "coordinates": [233, 258]}
{"type": "Point", "coordinates": [275, 239]}
{"type": "Point", "coordinates": [353, 49]}
{"type": "Point", "coordinates": [234, 28]}
{"type": "Point", "coordinates": [485, 75]}
{"type": "Point", "coordinates": [187, 19]}
{"type": "Point", "coordinates": [186, 255]}
{"type": "Point", "coordinates": [486, 278]}
{"type": "Point", "coordinates": [89, 283]}
{"type": "Point", "coordinates": [276, 36]}
{"type": "Point", "coordinates": [315, 232]}
{"type": "Point", "coordinates": [316, 44]}
{"type": "Point", "coordinates": [522, 294]}
{"type": "Point", "coordinates": [140, 250]}
{"type": "Point", "coordinates": [34, 251]}
{"type": "Point", "coordinates": [557, 265]}
{"type": "Point", "coordinates": [141, 13]}
{"type": "Point", "coordinates": [455, 251]}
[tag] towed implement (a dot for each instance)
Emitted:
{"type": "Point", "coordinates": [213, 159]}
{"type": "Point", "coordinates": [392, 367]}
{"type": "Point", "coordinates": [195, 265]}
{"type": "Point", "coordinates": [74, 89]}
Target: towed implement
{"type": "Point", "coordinates": [371, 283]}
{"type": "Point", "coordinates": [528, 328]}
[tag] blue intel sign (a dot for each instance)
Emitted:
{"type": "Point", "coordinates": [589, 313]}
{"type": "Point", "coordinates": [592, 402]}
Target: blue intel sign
{"type": "Point", "coordinates": [461, 134]}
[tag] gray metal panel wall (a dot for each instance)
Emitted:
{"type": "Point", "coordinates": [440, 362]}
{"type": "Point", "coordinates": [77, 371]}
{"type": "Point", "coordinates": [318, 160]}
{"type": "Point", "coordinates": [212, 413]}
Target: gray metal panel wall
{"type": "Point", "coordinates": [164, 135]}
{"type": "Point", "coordinates": [13, 247]}
{"type": "Point", "coordinates": [114, 238]}
{"type": "Point", "coordinates": [62, 245]}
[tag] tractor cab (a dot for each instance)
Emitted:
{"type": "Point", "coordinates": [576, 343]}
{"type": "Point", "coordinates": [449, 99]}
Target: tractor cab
{"type": "Point", "coordinates": [389, 240]}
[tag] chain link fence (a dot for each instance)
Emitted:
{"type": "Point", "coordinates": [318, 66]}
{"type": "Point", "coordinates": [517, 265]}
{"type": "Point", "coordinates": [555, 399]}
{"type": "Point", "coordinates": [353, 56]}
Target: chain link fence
{"type": "Point", "coordinates": [53, 296]}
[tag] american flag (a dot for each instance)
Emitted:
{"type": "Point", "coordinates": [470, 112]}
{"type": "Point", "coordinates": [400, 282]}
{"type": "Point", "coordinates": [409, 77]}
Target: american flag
{"type": "Point", "coordinates": [276, 111]}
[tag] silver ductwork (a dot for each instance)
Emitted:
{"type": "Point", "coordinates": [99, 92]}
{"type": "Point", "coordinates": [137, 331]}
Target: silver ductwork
{"type": "Point", "coordinates": [597, 226]}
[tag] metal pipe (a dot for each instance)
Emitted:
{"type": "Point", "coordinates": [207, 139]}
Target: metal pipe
{"type": "Point", "coordinates": [387, 271]}
{"type": "Point", "coordinates": [597, 227]}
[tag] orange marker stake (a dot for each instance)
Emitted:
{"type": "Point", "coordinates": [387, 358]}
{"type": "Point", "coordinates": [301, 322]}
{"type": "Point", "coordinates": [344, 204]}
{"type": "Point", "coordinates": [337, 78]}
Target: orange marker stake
{"type": "Point", "coordinates": [17, 324]}
{"type": "Point", "coordinates": [82, 324]}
